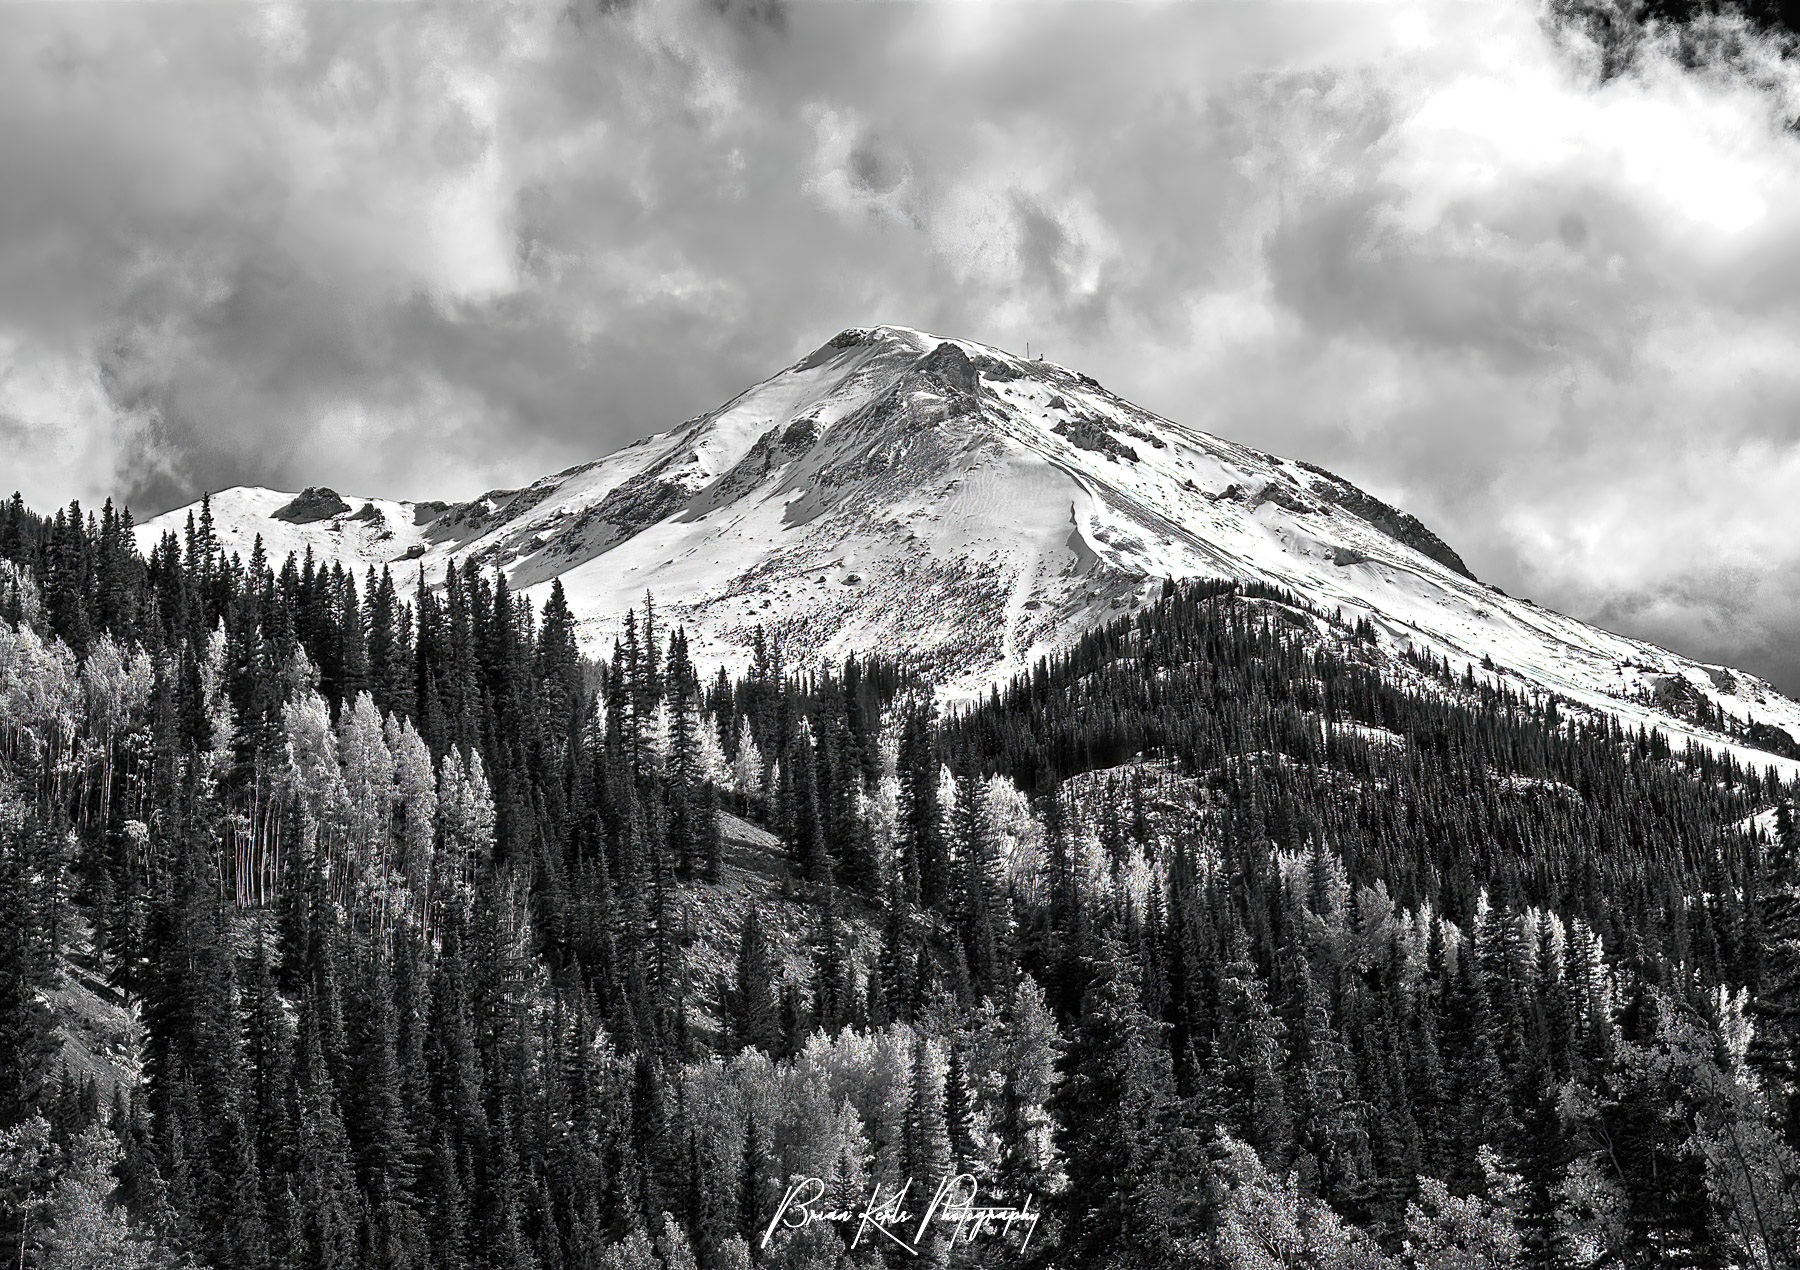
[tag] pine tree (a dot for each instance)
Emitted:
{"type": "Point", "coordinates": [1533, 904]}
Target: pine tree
{"type": "Point", "coordinates": [1325, 1128]}
{"type": "Point", "coordinates": [978, 892]}
{"type": "Point", "coordinates": [447, 1229]}
{"type": "Point", "coordinates": [928, 1147]}
{"type": "Point", "coordinates": [1644, 1128]}
{"type": "Point", "coordinates": [390, 654]}
{"type": "Point", "coordinates": [894, 969]}
{"type": "Point", "coordinates": [500, 1217]}
{"type": "Point", "coordinates": [244, 1240]}
{"type": "Point", "coordinates": [1479, 1090]}
{"type": "Point", "coordinates": [268, 1061]}
{"type": "Point", "coordinates": [796, 1022]}
{"type": "Point", "coordinates": [924, 854]}
{"type": "Point", "coordinates": [1137, 1170]}
{"type": "Point", "coordinates": [755, 1022]}
{"type": "Point", "coordinates": [797, 805]}
{"type": "Point", "coordinates": [559, 671]}
{"type": "Point", "coordinates": [657, 1152]}
{"type": "Point", "coordinates": [959, 1110]}
{"type": "Point", "coordinates": [683, 779]}
{"type": "Point", "coordinates": [1250, 1051]}
{"type": "Point", "coordinates": [832, 982]}
{"type": "Point", "coordinates": [711, 847]}
{"type": "Point", "coordinates": [1775, 1006]}
{"type": "Point", "coordinates": [756, 1198]}
{"type": "Point", "coordinates": [326, 1192]}
{"type": "Point", "coordinates": [27, 1045]}
{"type": "Point", "coordinates": [380, 1131]}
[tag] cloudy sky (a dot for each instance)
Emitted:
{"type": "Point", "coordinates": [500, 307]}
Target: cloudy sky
{"type": "Point", "coordinates": [422, 251]}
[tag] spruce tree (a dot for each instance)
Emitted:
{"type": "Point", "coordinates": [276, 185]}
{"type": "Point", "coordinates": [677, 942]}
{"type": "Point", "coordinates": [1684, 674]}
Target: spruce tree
{"type": "Point", "coordinates": [755, 1021]}
{"type": "Point", "coordinates": [330, 1205]}
{"type": "Point", "coordinates": [1137, 1169]}
{"type": "Point", "coordinates": [756, 1198]}
{"type": "Point", "coordinates": [923, 851]}
{"type": "Point", "coordinates": [27, 1045]}
{"type": "Point", "coordinates": [1775, 1005]}
{"type": "Point", "coordinates": [928, 1147]}
{"type": "Point", "coordinates": [959, 1110]}
{"type": "Point", "coordinates": [978, 893]}
{"type": "Point", "coordinates": [1250, 1050]}
{"type": "Point", "coordinates": [832, 983]}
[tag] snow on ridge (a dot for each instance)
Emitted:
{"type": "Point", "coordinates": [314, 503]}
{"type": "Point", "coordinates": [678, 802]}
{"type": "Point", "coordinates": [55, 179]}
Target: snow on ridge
{"type": "Point", "coordinates": [370, 531]}
{"type": "Point", "coordinates": [976, 510]}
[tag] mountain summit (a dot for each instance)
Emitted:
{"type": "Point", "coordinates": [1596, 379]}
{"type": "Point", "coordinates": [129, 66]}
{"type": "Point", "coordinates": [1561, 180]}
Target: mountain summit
{"type": "Point", "coordinates": [973, 510]}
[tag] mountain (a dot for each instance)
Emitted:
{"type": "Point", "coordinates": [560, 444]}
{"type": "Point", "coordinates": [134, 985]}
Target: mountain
{"type": "Point", "coordinates": [900, 491]}
{"type": "Point", "coordinates": [475, 964]}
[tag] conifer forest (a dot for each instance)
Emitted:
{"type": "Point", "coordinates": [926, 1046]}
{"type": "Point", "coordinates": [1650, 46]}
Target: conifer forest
{"type": "Point", "coordinates": [362, 921]}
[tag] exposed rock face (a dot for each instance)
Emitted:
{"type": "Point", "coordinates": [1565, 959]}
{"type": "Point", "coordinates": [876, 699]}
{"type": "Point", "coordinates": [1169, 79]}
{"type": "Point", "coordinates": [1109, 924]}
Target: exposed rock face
{"type": "Point", "coordinates": [1391, 521]}
{"type": "Point", "coordinates": [800, 436]}
{"type": "Point", "coordinates": [1090, 435]}
{"type": "Point", "coordinates": [951, 368]}
{"type": "Point", "coordinates": [1283, 497]}
{"type": "Point", "coordinates": [314, 503]}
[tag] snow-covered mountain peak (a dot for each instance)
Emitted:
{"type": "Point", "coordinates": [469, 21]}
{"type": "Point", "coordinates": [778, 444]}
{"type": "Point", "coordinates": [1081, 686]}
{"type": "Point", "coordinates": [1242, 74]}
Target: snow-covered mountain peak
{"type": "Point", "coordinates": [972, 510]}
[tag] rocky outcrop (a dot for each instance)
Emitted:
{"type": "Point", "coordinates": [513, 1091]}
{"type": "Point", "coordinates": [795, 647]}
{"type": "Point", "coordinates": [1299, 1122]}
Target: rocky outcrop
{"type": "Point", "coordinates": [949, 370]}
{"type": "Point", "coordinates": [1092, 434]}
{"type": "Point", "coordinates": [1391, 521]}
{"type": "Point", "coordinates": [314, 503]}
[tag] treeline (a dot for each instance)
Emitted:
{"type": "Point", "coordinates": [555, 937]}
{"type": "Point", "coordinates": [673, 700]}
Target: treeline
{"type": "Point", "coordinates": [1392, 931]}
{"type": "Point", "coordinates": [1225, 936]}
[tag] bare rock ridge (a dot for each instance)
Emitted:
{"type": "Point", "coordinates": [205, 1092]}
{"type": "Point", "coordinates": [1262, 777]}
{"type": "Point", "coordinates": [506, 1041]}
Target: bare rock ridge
{"type": "Point", "coordinates": [949, 369]}
{"type": "Point", "coordinates": [312, 504]}
{"type": "Point", "coordinates": [972, 511]}
{"type": "Point", "coordinates": [1390, 520]}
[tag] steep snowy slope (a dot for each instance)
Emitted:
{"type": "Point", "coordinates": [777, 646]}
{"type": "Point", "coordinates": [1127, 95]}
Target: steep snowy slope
{"type": "Point", "coordinates": [899, 491]}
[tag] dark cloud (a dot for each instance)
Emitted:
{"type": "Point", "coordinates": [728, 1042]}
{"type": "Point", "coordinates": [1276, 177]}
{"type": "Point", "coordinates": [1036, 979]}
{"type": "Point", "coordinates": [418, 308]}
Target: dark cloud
{"type": "Point", "coordinates": [428, 250]}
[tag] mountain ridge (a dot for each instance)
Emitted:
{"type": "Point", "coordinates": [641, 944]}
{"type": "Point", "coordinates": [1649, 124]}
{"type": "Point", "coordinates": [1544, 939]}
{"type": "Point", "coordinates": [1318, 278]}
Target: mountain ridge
{"type": "Point", "coordinates": [941, 498]}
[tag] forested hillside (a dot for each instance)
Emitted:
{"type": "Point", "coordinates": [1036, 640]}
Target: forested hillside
{"type": "Point", "coordinates": [1224, 939]}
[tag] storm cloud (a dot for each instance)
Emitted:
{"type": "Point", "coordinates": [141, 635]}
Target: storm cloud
{"type": "Point", "coordinates": [421, 251]}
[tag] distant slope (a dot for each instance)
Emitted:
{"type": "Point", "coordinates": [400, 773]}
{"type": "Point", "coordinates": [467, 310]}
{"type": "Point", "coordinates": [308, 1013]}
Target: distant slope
{"type": "Point", "coordinates": [974, 510]}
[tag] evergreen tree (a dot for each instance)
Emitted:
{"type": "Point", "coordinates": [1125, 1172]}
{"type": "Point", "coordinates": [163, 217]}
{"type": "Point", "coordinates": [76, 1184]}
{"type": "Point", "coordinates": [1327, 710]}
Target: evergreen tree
{"type": "Point", "coordinates": [1456, 1007]}
{"type": "Point", "coordinates": [959, 1110]}
{"type": "Point", "coordinates": [328, 1201]}
{"type": "Point", "coordinates": [1250, 1051]}
{"type": "Point", "coordinates": [928, 1146]}
{"type": "Point", "coordinates": [978, 891]}
{"type": "Point", "coordinates": [1775, 1006]}
{"type": "Point", "coordinates": [924, 855]}
{"type": "Point", "coordinates": [1137, 1169]}
{"type": "Point", "coordinates": [755, 1022]}
{"type": "Point", "coordinates": [27, 1046]}
{"type": "Point", "coordinates": [756, 1198]}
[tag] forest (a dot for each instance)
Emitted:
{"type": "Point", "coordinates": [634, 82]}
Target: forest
{"type": "Point", "coordinates": [1228, 938]}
